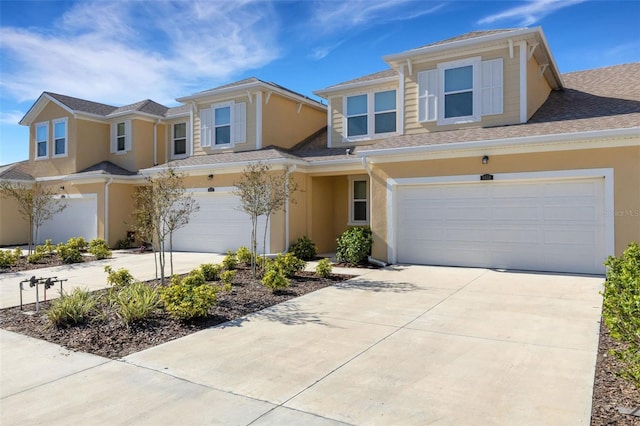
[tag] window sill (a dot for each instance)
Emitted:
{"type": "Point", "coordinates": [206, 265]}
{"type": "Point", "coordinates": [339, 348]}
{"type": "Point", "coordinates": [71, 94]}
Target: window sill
{"type": "Point", "coordinates": [179, 156]}
{"type": "Point", "coordinates": [44, 157]}
{"type": "Point", "coordinates": [59, 156]}
{"type": "Point", "coordinates": [366, 138]}
{"type": "Point", "coordinates": [363, 223]}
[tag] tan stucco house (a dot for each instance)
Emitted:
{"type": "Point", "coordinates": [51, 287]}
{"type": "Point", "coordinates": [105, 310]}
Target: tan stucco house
{"type": "Point", "coordinates": [472, 151]}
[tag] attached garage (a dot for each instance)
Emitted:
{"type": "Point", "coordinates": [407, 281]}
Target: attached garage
{"type": "Point", "coordinates": [78, 219]}
{"type": "Point", "coordinates": [552, 224]}
{"type": "Point", "coordinates": [218, 226]}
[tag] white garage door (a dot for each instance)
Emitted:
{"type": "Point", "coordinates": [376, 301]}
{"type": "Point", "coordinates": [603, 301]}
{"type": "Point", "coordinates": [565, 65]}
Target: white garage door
{"type": "Point", "coordinates": [78, 219]}
{"type": "Point", "coordinates": [218, 226]}
{"type": "Point", "coordinates": [543, 226]}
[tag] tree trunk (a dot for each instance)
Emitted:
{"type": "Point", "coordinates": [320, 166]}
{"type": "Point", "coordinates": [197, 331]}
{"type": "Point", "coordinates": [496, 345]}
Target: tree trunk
{"type": "Point", "coordinates": [171, 252]}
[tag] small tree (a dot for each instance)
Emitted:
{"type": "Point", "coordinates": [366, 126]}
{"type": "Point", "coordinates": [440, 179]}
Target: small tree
{"type": "Point", "coordinates": [262, 193]}
{"type": "Point", "coordinates": [162, 207]}
{"type": "Point", "coordinates": [36, 204]}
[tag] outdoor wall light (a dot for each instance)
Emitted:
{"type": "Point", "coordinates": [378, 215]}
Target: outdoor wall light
{"type": "Point", "coordinates": [210, 177]}
{"type": "Point", "coordinates": [62, 188]}
{"type": "Point", "coordinates": [485, 159]}
{"type": "Point", "coordinates": [211, 189]}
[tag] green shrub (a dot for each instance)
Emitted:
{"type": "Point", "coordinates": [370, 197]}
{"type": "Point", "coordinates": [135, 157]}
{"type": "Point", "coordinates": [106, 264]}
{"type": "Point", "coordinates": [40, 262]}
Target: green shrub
{"type": "Point", "coordinates": [230, 262]}
{"type": "Point", "coordinates": [354, 245]}
{"type": "Point", "coordinates": [120, 278]}
{"type": "Point", "coordinates": [304, 249]}
{"type": "Point", "coordinates": [243, 255]}
{"type": "Point", "coordinates": [69, 253]}
{"type": "Point", "coordinates": [324, 268]}
{"type": "Point", "coordinates": [275, 279]}
{"type": "Point", "coordinates": [227, 278]}
{"type": "Point", "coordinates": [210, 271]}
{"type": "Point", "coordinates": [136, 302]}
{"type": "Point", "coordinates": [78, 243]}
{"type": "Point", "coordinates": [9, 257]}
{"type": "Point", "coordinates": [46, 249]}
{"type": "Point", "coordinates": [621, 308]}
{"type": "Point", "coordinates": [72, 309]}
{"type": "Point", "coordinates": [289, 264]}
{"type": "Point", "coordinates": [123, 244]}
{"type": "Point", "coordinates": [99, 248]}
{"type": "Point", "coordinates": [188, 298]}
{"type": "Point", "coordinates": [35, 257]}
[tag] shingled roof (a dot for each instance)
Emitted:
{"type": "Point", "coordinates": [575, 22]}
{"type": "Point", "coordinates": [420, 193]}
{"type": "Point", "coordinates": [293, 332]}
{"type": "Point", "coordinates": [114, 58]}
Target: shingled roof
{"type": "Point", "coordinates": [16, 171]}
{"type": "Point", "coordinates": [147, 106]}
{"type": "Point", "coordinates": [82, 105]}
{"type": "Point", "coordinates": [106, 167]}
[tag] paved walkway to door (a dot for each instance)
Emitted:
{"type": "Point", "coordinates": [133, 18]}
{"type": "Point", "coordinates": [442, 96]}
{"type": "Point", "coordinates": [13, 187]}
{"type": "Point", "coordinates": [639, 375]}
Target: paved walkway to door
{"type": "Point", "coordinates": [408, 345]}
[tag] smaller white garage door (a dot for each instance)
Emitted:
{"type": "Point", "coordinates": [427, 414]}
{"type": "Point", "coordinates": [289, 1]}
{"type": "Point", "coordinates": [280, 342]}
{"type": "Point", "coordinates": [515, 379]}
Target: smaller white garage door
{"type": "Point", "coordinates": [555, 225]}
{"type": "Point", "coordinates": [218, 226]}
{"type": "Point", "coordinates": [78, 219]}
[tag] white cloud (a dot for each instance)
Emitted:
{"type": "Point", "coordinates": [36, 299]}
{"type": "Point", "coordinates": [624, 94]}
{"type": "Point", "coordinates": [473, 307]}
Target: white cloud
{"type": "Point", "coordinates": [322, 52]}
{"type": "Point", "coordinates": [11, 117]}
{"type": "Point", "coordinates": [120, 52]}
{"type": "Point", "coordinates": [529, 13]}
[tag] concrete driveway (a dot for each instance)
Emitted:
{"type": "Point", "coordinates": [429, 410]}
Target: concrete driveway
{"type": "Point", "coordinates": [405, 345]}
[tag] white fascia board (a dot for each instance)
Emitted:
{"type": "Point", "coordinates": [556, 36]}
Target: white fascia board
{"type": "Point", "coordinates": [403, 56]}
{"type": "Point", "coordinates": [562, 141]}
{"type": "Point", "coordinates": [38, 106]}
{"type": "Point", "coordinates": [357, 85]}
{"type": "Point", "coordinates": [137, 114]}
{"type": "Point", "coordinates": [553, 64]}
{"type": "Point", "coordinates": [205, 169]}
{"type": "Point", "coordinates": [174, 116]}
{"type": "Point", "coordinates": [97, 177]}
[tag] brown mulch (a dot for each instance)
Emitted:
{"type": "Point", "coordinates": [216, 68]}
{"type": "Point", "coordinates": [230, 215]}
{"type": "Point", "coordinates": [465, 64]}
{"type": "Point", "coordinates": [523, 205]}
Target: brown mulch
{"type": "Point", "coordinates": [46, 262]}
{"type": "Point", "coordinates": [609, 390]}
{"type": "Point", "coordinates": [112, 339]}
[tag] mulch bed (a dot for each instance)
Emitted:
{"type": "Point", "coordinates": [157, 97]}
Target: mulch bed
{"type": "Point", "coordinates": [113, 340]}
{"type": "Point", "coordinates": [110, 338]}
{"type": "Point", "coordinates": [46, 262]}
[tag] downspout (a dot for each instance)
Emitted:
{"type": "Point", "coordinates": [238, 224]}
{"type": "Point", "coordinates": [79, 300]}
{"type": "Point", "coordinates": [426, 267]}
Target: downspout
{"type": "Point", "coordinates": [155, 142]}
{"type": "Point", "coordinates": [286, 210]}
{"type": "Point", "coordinates": [106, 210]}
{"type": "Point", "coordinates": [367, 167]}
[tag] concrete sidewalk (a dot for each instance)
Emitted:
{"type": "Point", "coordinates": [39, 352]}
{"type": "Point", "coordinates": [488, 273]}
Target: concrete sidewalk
{"type": "Point", "coordinates": [405, 345]}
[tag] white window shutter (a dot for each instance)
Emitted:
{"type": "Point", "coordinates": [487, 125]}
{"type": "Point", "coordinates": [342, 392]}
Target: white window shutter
{"type": "Point", "coordinates": [114, 136]}
{"type": "Point", "coordinates": [491, 86]}
{"type": "Point", "coordinates": [206, 126]}
{"type": "Point", "coordinates": [127, 135]}
{"type": "Point", "coordinates": [240, 122]}
{"type": "Point", "coordinates": [427, 95]}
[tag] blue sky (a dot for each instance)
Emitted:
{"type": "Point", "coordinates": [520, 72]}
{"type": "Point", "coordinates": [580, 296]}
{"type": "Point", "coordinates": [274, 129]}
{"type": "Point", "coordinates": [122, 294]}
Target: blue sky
{"type": "Point", "coordinates": [120, 52]}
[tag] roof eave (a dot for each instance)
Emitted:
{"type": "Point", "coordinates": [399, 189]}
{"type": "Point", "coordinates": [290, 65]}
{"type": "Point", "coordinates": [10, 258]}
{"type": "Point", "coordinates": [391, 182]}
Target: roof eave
{"type": "Point", "coordinates": [352, 86]}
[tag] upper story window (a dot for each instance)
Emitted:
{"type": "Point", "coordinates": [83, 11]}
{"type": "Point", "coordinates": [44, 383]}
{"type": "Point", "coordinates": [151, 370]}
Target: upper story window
{"type": "Point", "coordinates": [60, 140]}
{"type": "Point", "coordinates": [460, 91]}
{"type": "Point", "coordinates": [179, 140]}
{"type": "Point", "coordinates": [370, 114]}
{"type": "Point", "coordinates": [121, 137]}
{"type": "Point", "coordinates": [223, 125]}
{"type": "Point", "coordinates": [358, 200]}
{"type": "Point", "coordinates": [42, 140]}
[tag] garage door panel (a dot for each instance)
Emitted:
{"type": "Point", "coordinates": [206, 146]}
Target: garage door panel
{"type": "Point", "coordinates": [545, 225]}
{"type": "Point", "coordinates": [78, 219]}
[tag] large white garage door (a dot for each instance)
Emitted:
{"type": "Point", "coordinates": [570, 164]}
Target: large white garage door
{"type": "Point", "coordinates": [218, 226]}
{"type": "Point", "coordinates": [78, 219]}
{"type": "Point", "coordinates": [542, 226]}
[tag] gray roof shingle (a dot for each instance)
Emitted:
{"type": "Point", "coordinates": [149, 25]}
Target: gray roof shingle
{"type": "Point", "coordinates": [16, 171]}
{"type": "Point", "coordinates": [107, 167]}
{"type": "Point", "coordinates": [83, 105]}
{"type": "Point", "coordinates": [147, 106]}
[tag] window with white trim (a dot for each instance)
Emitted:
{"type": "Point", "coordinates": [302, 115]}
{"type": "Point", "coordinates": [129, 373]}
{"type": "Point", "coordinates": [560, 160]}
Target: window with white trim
{"type": "Point", "coordinates": [60, 142]}
{"type": "Point", "coordinates": [460, 91]}
{"type": "Point", "coordinates": [358, 200]}
{"type": "Point", "coordinates": [121, 137]}
{"type": "Point", "coordinates": [223, 125]}
{"type": "Point", "coordinates": [179, 140]}
{"type": "Point", "coordinates": [370, 114]}
{"type": "Point", "coordinates": [42, 140]}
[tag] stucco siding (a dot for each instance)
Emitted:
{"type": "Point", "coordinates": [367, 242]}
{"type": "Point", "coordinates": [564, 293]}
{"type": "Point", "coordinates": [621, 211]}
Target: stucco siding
{"type": "Point", "coordinates": [121, 206]}
{"type": "Point", "coordinates": [14, 229]}
{"type": "Point", "coordinates": [284, 126]}
{"type": "Point", "coordinates": [92, 143]}
{"type": "Point", "coordinates": [537, 87]}
{"type": "Point", "coordinates": [52, 166]}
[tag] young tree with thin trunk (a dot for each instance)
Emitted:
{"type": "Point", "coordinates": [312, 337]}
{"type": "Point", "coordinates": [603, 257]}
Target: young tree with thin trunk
{"type": "Point", "coordinates": [36, 204]}
{"type": "Point", "coordinates": [262, 193]}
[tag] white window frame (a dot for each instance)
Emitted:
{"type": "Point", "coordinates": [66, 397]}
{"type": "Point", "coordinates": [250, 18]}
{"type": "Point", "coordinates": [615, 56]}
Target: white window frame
{"type": "Point", "coordinates": [352, 200]}
{"type": "Point", "coordinates": [175, 156]}
{"type": "Point", "coordinates": [66, 137]}
{"type": "Point", "coordinates": [127, 137]}
{"type": "Point", "coordinates": [231, 107]}
{"type": "Point", "coordinates": [44, 124]}
{"type": "Point", "coordinates": [475, 91]}
{"type": "Point", "coordinates": [370, 114]}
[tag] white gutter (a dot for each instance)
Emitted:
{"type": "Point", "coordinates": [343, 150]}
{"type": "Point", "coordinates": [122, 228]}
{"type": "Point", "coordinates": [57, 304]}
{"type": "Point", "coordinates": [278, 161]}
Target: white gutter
{"type": "Point", "coordinates": [286, 210]}
{"type": "Point", "coordinates": [106, 209]}
{"type": "Point", "coordinates": [356, 85]}
{"type": "Point", "coordinates": [517, 141]}
{"type": "Point", "coordinates": [155, 142]}
{"type": "Point", "coordinates": [367, 167]}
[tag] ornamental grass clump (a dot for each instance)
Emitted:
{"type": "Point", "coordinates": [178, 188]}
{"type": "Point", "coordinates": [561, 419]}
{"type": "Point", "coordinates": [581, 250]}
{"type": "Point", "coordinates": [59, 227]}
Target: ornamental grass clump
{"type": "Point", "coordinates": [135, 302]}
{"type": "Point", "coordinates": [621, 309]}
{"type": "Point", "coordinates": [72, 309]}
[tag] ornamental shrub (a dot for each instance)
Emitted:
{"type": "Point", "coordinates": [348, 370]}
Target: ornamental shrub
{"type": "Point", "coordinates": [120, 278]}
{"type": "Point", "coordinates": [9, 257]}
{"type": "Point", "coordinates": [188, 298]}
{"type": "Point", "coordinates": [304, 248]}
{"type": "Point", "coordinates": [230, 262]}
{"type": "Point", "coordinates": [354, 245]}
{"type": "Point", "coordinates": [69, 253]}
{"type": "Point", "coordinates": [46, 249]}
{"type": "Point", "coordinates": [243, 255]}
{"type": "Point", "coordinates": [288, 263]}
{"type": "Point", "coordinates": [35, 257]}
{"type": "Point", "coordinates": [135, 302]}
{"type": "Point", "coordinates": [72, 309]}
{"type": "Point", "coordinates": [99, 248]}
{"type": "Point", "coordinates": [621, 308]}
{"type": "Point", "coordinates": [275, 279]}
{"type": "Point", "coordinates": [210, 271]}
{"type": "Point", "coordinates": [227, 279]}
{"type": "Point", "coordinates": [78, 243]}
{"type": "Point", "coordinates": [324, 268]}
